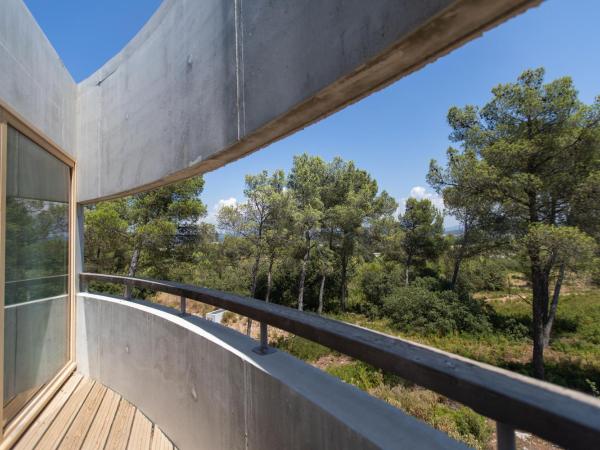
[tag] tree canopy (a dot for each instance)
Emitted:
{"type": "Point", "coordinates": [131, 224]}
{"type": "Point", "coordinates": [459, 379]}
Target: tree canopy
{"type": "Point", "coordinates": [533, 155]}
{"type": "Point", "coordinates": [522, 178]}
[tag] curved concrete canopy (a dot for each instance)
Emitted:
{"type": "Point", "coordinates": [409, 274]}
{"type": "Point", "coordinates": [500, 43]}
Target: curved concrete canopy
{"type": "Point", "coordinates": [207, 82]}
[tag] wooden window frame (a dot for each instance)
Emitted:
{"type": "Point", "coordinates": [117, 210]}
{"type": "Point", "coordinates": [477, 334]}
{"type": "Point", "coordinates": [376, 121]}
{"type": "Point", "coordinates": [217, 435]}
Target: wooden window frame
{"type": "Point", "coordinates": [12, 431]}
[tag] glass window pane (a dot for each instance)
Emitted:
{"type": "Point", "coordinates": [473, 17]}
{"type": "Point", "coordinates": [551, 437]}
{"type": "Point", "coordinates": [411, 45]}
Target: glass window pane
{"type": "Point", "coordinates": [36, 267]}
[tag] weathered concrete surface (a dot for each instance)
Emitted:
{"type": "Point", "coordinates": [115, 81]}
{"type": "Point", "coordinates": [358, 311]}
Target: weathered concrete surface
{"type": "Point", "coordinates": [205, 83]}
{"type": "Point", "coordinates": [34, 83]}
{"type": "Point", "coordinates": [164, 102]}
{"type": "Point", "coordinates": [202, 384]}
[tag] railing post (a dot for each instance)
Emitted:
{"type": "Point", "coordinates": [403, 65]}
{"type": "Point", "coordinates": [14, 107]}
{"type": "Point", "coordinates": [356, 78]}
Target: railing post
{"type": "Point", "coordinates": [505, 437]}
{"type": "Point", "coordinates": [83, 284]}
{"type": "Point", "coordinates": [264, 337]}
{"type": "Point", "coordinates": [264, 348]}
{"type": "Point", "coordinates": [183, 305]}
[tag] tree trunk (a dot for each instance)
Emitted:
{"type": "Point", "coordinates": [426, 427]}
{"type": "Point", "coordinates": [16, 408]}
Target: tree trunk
{"type": "Point", "coordinates": [255, 267]}
{"type": "Point", "coordinates": [303, 274]}
{"type": "Point", "coordinates": [344, 281]}
{"type": "Point", "coordinates": [321, 291]}
{"type": "Point", "coordinates": [133, 265]}
{"type": "Point", "coordinates": [301, 284]}
{"type": "Point", "coordinates": [459, 255]}
{"type": "Point", "coordinates": [553, 306]}
{"type": "Point", "coordinates": [540, 302]}
{"type": "Point", "coordinates": [407, 271]}
{"type": "Point", "coordinates": [270, 278]}
{"type": "Point", "coordinates": [539, 305]}
{"type": "Point", "coordinates": [457, 262]}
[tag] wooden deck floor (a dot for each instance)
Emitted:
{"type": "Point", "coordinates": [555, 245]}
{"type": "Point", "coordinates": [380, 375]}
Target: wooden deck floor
{"type": "Point", "coordinates": [86, 415]}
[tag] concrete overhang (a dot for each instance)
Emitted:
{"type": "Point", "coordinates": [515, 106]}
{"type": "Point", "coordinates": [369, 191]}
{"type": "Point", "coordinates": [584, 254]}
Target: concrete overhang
{"type": "Point", "coordinates": [206, 82]}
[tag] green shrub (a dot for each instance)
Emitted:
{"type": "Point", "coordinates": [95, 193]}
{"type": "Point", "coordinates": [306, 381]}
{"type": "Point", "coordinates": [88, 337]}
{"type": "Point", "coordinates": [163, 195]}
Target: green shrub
{"type": "Point", "coordinates": [301, 348]}
{"type": "Point", "coordinates": [469, 423]}
{"type": "Point", "coordinates": [593, 387]}
{"type": "Point", "coordinates": [359, 374]}
{"type": "Point", "coordinates": [108, 289]}
{"type": "Point", "coordinates": [377, 280]}
{"type": "Point", "coordinates": [592, 333]}
{"type": "Point", "coordinates": [482, 274]}
{"type": "Point", "coordinates": [512, 327]}
{"type": "Point", "coordinates": [414, 309]}
{"type": "Point", "coordinates": [459, 422]}
{"type": "Point", "coordinates": [429, 283]}
{"type": "Point", "coordinates": [595, 272]}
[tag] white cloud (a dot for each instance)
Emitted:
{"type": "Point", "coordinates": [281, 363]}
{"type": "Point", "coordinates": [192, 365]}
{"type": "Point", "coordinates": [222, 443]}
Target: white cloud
{"type": "Point", "coordinates": [212, 214]}
{"type": "Point", "coordinates": [231, 201]}
{"type": "Point", "coordinates": [420, 193]}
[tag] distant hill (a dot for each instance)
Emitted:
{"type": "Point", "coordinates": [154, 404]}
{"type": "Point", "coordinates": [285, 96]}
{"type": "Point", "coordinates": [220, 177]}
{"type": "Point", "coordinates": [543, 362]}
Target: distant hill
{"type": "Point", "coordinates": [453, 231]}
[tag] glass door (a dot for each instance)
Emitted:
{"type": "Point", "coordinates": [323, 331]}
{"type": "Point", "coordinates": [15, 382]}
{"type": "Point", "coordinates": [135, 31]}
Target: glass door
{"type": "Point", "coordinates": [36, 267]}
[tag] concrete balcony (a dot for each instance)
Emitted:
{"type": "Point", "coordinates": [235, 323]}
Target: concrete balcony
{"type": "Point", "coordinates": [149, 376]}
{"type": "Point", "coordinates": [206, 388]}
{"type": "Point", "coordinates": [205, 83]}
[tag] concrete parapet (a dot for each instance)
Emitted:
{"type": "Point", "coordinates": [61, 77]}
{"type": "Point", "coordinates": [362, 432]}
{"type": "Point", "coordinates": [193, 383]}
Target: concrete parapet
{"type": "Point", "coordinates": [205, 387]}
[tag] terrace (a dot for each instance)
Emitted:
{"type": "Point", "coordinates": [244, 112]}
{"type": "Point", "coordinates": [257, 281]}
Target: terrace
{"type": "Point", "coordinates": [86, 370]}
{"type": "Point", "coordinates": [86, 414]}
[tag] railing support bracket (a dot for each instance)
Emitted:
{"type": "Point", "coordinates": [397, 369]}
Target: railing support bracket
{"type": "Point", "coordinates": [264, 348]}
{"type": "Point", "coordinates": [263, 351]}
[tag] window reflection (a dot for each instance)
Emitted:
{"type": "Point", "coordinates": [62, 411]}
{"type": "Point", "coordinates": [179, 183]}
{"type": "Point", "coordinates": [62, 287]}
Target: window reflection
{"type": "Point", "coordinates": [36, 250]}
{"type": "Point", "coordinates": [36, 266]}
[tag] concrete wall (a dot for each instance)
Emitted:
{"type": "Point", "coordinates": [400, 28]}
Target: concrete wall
{"type": "Point", "coordinates": [33, 80]}
{"type": "Point", "coordinates": [206, 388]}
{"type": "Point", "coordinates": [206, 82]}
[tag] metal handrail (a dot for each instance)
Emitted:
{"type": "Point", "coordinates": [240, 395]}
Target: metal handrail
{"type": "Point", "coordinates": [562, 416]}
{"type": "Point", "coordinates": [29, 280]}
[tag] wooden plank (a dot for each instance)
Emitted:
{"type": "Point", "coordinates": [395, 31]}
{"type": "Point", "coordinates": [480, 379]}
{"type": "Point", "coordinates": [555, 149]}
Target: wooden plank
{"type": "Point", "coordinates": [160, 441]}
{"type": "Point", "coordinates": [100, 428]}
{"type": "Point", "coordinates": [31, 412]}
{"type": "Point", "coordinates": [141, 433]}
{"type": "Point", "coordinates": [87, 415]}
{"type": "Point", "coordinates": [121, 427]}
{"type": "Point", "coordinates": [15, 406]}
{"type": "Point", "coordinates": [47, 416]}
{"type": "Point", "coordinates": [56, 431]}
{"type": "Point", "coordinates": [78, 430]}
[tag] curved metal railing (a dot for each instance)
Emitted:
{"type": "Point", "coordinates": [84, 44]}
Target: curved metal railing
{"type": "Point", "coordinates": [562, 416]}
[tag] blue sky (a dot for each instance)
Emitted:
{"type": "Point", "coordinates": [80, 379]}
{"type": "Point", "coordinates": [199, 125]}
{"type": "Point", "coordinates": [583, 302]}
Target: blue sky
{"type": "Point", "coordinates": [393, 133]}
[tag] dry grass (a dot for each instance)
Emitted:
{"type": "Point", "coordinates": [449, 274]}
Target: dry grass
{"type": "Point", "coordinates": [192, 307]}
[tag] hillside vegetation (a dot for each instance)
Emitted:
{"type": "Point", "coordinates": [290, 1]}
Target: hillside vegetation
{"type": "Point", "coordinates": [517, 285]}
